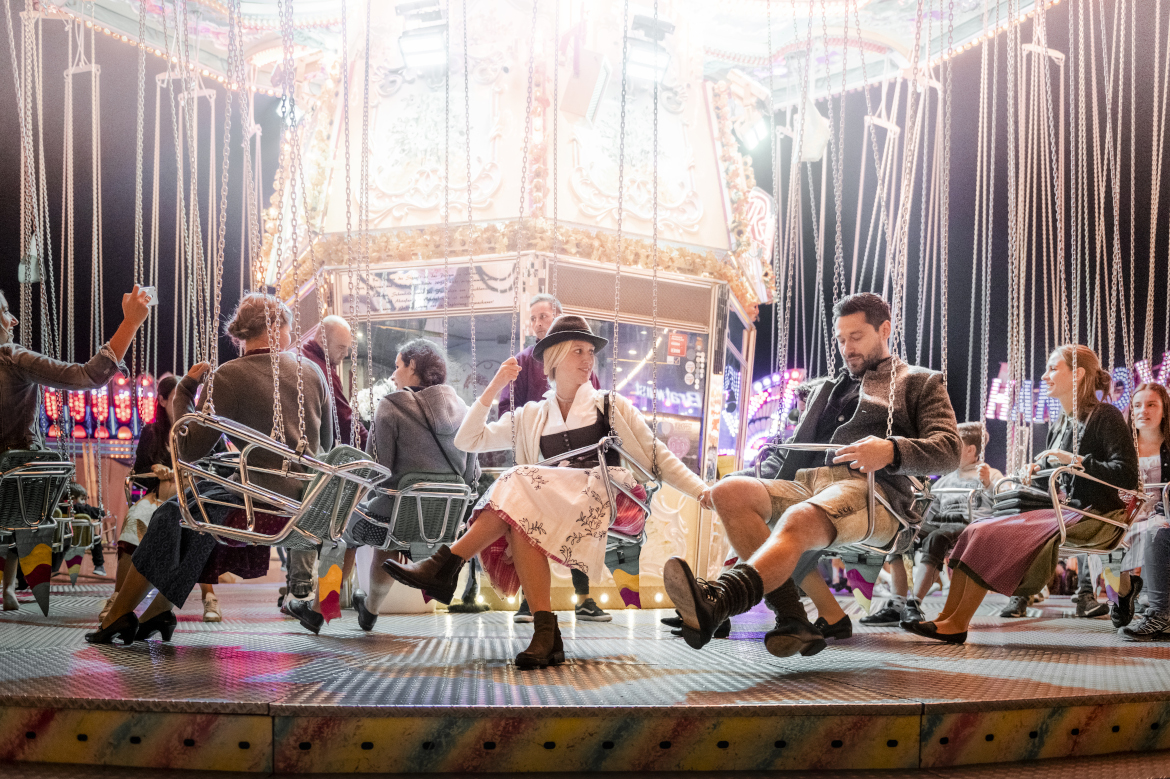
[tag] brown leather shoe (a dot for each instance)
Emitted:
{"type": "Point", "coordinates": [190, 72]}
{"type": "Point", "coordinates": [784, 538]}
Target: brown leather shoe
{"type": "Point", "coordinates": [436, 576]}
{"type": "Point", "coordinates": [546, 647]}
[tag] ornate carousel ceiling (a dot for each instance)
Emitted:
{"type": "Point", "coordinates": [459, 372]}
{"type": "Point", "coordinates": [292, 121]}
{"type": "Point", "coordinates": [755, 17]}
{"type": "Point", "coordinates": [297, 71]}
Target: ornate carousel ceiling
{"type": "Point", "coordinates": [732, 33]}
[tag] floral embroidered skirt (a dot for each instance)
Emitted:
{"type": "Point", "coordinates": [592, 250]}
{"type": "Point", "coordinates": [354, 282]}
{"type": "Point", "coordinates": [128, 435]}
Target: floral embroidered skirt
{"type": "Point", "coordinates": [563, 512]}
{"type": "Point", "coordinates": [138, 519]}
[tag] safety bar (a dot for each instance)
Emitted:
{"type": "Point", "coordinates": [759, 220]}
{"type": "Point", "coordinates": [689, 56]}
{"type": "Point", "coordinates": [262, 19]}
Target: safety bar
{"type": "Point", "coordinates": [187, 474]}
{"type": "Point", "coordinates": [447, 491]}
{"type": "Point", "coordinates": [872, 496]}
{"type": "Point", "coordinates": [1053, 475]}
{"type": "Point", "coordinates": [601, 447]}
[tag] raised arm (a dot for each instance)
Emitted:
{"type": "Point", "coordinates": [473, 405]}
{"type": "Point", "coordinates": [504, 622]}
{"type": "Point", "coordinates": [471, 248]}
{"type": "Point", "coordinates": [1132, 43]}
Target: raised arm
{"type": "Point", "coordinates": [476, 434]}
{"type": "Point", "coordinates": [199, 440]}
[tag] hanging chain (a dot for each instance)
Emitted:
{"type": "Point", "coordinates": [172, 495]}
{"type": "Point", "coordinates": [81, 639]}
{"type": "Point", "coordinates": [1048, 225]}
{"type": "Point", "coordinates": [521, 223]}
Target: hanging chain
{"type": "Point", "coordinates": [945, 184]}
{"type": "Point", "coordinates": [234, 57]}
{"type": "Point", "coordinates": [513, 337]}
{"type": "Point", "coordinates": [556, 112]}
{"type": "Point", "coordinates": [351, 269]}
{"type": "Point", "coordinates": [364, 226]}
{"type": "Point", "coordinates": [621, 191]}
{"type": "Point", "coordinates": [446, 171]}
{"type": "Point", "coordinates": [470, 220]}
{"type": "Point", "coordinates": [654, 291]}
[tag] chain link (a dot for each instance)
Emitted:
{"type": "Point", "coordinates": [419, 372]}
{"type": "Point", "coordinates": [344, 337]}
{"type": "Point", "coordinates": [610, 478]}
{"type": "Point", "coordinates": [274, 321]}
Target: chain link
{"type": "Point", "coordinates": [351, 269]}
{"type": "Point", "coordinates": [654, 292]}
{"type": "Point", "coordinates": [621, 192]}
{"type": "Point", "coordinates": [447, 171]}
{"type": "Point", "coordinates": [470, 221]}
{"type": "Point", "coordinates": [364, 225]}
{"type": "Point", "coordinates": [513, 337]}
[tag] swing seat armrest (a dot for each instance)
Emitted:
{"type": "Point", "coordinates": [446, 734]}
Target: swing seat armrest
{"type": "Point", "coordinates": [790, 447]}
{"type": "Point", "coordinates": [1138, 499]}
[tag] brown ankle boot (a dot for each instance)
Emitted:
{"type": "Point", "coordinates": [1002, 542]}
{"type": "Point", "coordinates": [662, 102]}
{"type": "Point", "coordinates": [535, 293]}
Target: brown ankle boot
{"type": "Point", "coordinates": [546, 648]}
{"type": "Point", "coordinates": [436, 576]}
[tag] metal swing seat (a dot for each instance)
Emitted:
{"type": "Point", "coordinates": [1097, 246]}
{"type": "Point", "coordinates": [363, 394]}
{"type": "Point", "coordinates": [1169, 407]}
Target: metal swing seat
{"type": "Point", "coordinates": [1135, 501]}
{"type": "Point", "coordinates": [334, 486]}
{"type": "Point", "coordinates": [426, 511]}
{"type": "Point", "coordinates": [31, 485]}
{"type": "Point", "coordinates": [907, 530]}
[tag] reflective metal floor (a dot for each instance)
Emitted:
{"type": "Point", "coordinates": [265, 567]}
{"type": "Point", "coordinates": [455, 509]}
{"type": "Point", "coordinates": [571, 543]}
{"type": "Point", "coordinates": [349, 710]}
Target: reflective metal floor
{"type": "Point", "coordinates": [1048, 685]}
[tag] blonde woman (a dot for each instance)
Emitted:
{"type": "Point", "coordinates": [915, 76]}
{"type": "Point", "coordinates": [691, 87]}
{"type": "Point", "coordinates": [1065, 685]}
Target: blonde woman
{"type": "Point", "coordinates": [535, 514]}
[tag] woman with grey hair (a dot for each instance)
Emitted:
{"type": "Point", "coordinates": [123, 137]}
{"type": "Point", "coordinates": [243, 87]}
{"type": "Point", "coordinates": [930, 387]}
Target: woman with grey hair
{"type": "Point", "coordinates": [171, 557]}
{"type": "Point", "coordinates": [414, 432]}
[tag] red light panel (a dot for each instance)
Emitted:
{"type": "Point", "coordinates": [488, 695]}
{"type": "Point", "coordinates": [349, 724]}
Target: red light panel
{"type": "Point", "coordinates": [79, 432]}
{"type": "Point", "coordinates": [77, 404]}
{"type": "Point", "coordinates": [100, 399]}
{"type": "Point", "coordinates": [52, 404]}
{"type": "Point", "coordinates": [123, 403]}
{"type": "Point", "coordinates": [147, 397]}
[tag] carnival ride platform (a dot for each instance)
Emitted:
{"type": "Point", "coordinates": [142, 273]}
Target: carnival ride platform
{"type": "Point", "coordinates": [439, 693]}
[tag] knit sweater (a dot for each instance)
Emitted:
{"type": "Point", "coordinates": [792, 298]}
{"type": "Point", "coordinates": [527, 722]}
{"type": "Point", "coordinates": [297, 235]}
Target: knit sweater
{"type": "Point", "coordinates": [243, 394]}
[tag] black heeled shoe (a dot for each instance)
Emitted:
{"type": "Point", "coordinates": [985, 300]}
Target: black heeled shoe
{"type": "Point", "coordinates": [124, 627]}
{"type": "Point", "coordinates": [163, 624]}
{"type": "Point", "coordinates": [366, 618]}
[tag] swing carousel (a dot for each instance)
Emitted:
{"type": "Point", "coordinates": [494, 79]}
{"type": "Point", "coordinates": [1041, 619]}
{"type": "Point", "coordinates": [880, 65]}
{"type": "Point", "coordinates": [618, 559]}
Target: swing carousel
{"type": "Point", "coordinates": [440, 163]}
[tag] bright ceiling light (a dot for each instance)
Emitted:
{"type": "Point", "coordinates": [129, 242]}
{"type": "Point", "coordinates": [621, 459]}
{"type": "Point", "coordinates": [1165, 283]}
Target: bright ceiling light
{"type": "Point", "coordinates": [648, 60]}
{"type": "Point", "coordinates": [424, 48]}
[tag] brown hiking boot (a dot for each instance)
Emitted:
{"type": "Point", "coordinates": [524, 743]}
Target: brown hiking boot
{"type": "Point", "coordinates": [436, 576]}
{"type": "Point", "coordinates": [546, 647]}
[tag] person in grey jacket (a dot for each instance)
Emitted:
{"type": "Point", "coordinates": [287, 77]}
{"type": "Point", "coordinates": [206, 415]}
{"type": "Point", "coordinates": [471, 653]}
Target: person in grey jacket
{"type": "Point", "coordinates": [819, 500]}
{"type": "Point", "coordinates": [414, 432]}
{"type": "Point", "coordinates": [173, 558]}
{"type": "Point", "coordinates": [23, 372]}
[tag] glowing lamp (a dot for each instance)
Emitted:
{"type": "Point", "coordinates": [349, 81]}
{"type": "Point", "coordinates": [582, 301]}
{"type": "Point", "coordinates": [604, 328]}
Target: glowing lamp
{"type": "Point", "coordinates": [54, 431]}
{"type": "Point", "coordinates": [52, 405]}
{"type": "Point", "coordinates": [124, 433]}
{"type": "Point", "coordinates": [77, 405]}
{"type": "Point", "coordinates": [147, 396]}
{"type": "Point", "coordinates": [100, 400]}
{"type": "Point", "coordinates": [79, 431]}
{"type": "Point", "coordinates": [648, 60]}
{"type": "Point", "coordinates": [123, 400]}
{"type": "Point", "coordinates": [102, 432]}
{"type": "Point", "coordinates": [424, 48]}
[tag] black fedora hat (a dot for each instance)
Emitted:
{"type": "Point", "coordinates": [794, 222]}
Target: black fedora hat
{"type": "Point", "coordinates": [567, 327]}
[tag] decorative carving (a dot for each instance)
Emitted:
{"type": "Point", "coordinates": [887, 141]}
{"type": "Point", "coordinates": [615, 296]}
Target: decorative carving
{"type": "Point", "coordinates": [593, 179]}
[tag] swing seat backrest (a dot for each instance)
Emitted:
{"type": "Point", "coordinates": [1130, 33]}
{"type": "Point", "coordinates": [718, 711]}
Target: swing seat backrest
{"type": "Point", "coordinates": [329, 499]}
{"type": "Point", "coordinates": [427, 509]}
{"type": "Point", "coordinates": [31, 485]}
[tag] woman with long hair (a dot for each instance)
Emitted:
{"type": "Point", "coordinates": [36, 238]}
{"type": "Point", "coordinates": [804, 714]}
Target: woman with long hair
{"type": "Point", "coordinates": [1016, 555]}
{"type": "Point", "coordinates": [1150, 411]}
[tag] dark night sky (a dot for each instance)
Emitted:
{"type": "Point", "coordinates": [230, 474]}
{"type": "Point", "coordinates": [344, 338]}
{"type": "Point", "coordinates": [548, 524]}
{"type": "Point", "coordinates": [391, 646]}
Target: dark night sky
{"type": "Point", "coordinates": [119, 74]}
{"type": "Point", "coordinates": [119, 78]}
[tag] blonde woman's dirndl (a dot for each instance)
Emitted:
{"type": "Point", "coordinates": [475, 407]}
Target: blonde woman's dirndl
{"type": "Point", "coordinates": [564, 512]}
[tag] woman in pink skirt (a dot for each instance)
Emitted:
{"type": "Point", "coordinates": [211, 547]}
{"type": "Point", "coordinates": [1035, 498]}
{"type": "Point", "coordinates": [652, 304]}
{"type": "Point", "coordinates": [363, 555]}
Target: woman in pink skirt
{"type": "Point", "coordinates": [1016, 555]}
